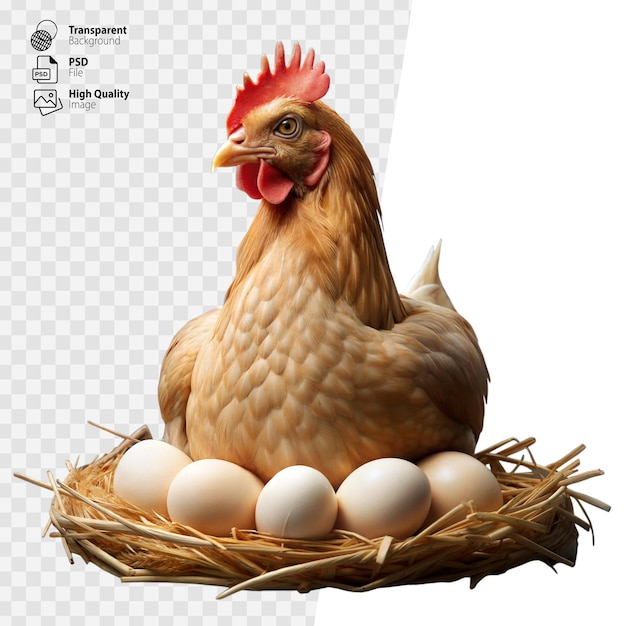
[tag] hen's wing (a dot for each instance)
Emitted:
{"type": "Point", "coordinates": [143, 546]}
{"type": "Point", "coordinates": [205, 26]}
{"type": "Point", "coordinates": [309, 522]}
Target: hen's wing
{"type": "Point", "coordinates": [456, 362]}
{"type": "Point", "coordinates": [175, 379]}
{"type": "Point", "coordinates": [449, 364]}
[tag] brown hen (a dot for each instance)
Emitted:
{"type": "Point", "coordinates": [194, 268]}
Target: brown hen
{"type": "Point", "coordinates": [315, 358]}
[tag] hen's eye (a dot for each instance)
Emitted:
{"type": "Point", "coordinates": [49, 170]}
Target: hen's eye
{"type": "Point", "coordinates": [288, 127]}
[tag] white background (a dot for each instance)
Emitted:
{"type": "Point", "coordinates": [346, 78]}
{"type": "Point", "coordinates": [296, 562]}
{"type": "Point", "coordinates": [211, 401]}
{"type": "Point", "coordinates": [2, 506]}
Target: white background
{"type": "Point", "coordinates": [509, 143]}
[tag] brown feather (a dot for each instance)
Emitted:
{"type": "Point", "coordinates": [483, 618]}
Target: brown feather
{"type": "Point", "coordinates": [315, 358]}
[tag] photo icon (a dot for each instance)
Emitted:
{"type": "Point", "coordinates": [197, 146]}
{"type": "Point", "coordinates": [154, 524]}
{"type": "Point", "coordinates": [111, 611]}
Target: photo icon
{"type": "Point", "coordinates": [45, 98]}
{"type": "Point", "coordinates": [47, 101]}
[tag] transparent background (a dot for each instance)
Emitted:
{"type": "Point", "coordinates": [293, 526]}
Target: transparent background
{"type": "Point", "coordinates": [114, 233]}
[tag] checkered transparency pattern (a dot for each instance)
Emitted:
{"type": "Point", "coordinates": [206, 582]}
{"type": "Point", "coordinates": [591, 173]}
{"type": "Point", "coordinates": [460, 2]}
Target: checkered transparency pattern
{"type": "Point", "coordinates": [114, 233]}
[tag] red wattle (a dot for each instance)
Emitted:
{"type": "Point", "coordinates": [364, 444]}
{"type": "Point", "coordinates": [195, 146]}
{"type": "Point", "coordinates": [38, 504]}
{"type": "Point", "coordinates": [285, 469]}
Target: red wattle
{"type": "Point", "coordinates": [262, 180]}
{"type": "Point", "coordinates": [246, 180]}
{"type": "Point", "coordinates": [273, 184]}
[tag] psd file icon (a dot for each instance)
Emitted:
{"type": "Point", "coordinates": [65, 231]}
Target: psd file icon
{"type": "Point", "coordinates": [47, 70]}
{"type": "Point", "coordinates": [47, 101]}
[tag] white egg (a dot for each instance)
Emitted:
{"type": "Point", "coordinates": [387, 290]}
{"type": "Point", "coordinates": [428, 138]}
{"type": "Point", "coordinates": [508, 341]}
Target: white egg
{"type": "Point", "coordinates": [298, 502]}
{"type": "Point", "coordinates": [214, 496]}
{"type": "Point", "coordinates": [145, 471]}
{"type": "Point", "coordinates": [456, 477]}
{"type": "Point", "coordinates": [384, 497]}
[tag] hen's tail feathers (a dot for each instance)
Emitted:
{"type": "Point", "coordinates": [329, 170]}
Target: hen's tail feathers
{"type": "Point", "coordinates": [426, 284]}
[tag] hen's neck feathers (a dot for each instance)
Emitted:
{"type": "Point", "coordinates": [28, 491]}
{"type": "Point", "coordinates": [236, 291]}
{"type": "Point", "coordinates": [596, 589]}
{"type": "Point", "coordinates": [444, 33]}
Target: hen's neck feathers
{"type": "Point", "coordinates": [331, 234]}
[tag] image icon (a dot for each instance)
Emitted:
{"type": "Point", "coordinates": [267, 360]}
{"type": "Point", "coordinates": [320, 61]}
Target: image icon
{"type": "Point", "coordinates": [47, 70]}
{"type": "Point", "coordinates": [42, 38]}
{"type": "Point", "coordinates": [47, 101]}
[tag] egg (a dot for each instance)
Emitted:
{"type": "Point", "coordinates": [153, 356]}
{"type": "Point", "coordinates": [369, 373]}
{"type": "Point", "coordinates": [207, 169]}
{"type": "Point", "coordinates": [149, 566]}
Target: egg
{"type": "Point", "coordinates": [298, 502]}
{"type": "Point", "coordinates": [145, 471]}
{"type": "Point", "coordinates": [386, 496]}
{"type": "Point", "coordinates": [213, 496]}
{"type": "Point", "coordinates": [456, 477]}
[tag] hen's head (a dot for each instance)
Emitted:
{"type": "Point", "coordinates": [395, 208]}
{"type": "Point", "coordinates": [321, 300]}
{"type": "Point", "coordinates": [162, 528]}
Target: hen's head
{"type": "Point", "coordinates": [277, 130]}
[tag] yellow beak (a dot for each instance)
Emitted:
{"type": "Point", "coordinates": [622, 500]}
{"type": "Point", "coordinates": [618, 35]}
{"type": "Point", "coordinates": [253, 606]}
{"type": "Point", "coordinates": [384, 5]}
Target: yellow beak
{"type": "Point", "coordinates": [235, 151]}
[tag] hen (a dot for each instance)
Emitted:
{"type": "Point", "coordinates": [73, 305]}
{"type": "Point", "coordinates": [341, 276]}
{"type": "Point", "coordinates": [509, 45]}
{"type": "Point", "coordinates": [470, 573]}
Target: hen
{"type": "Point", "coordinates": [314, 357]}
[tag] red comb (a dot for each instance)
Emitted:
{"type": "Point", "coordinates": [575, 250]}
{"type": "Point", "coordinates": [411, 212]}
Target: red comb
{"type": "Point", "coordinates": [307, 82]}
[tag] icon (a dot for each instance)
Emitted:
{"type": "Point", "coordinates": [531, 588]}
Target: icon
{"type": "Point", "coordinates": [47, 101]}
{"type": "Point", "coordinates": [42, 38]}
{"type": "Point", "coordinates": [47, 70]}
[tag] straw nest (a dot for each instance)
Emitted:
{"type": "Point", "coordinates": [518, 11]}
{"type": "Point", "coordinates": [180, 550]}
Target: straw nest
{"type": "Point", "coordinates": [536, 522]}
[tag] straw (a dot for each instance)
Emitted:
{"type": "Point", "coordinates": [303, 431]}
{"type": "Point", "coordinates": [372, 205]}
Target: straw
{"type": "Point", "coordinates": [536, 522]}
